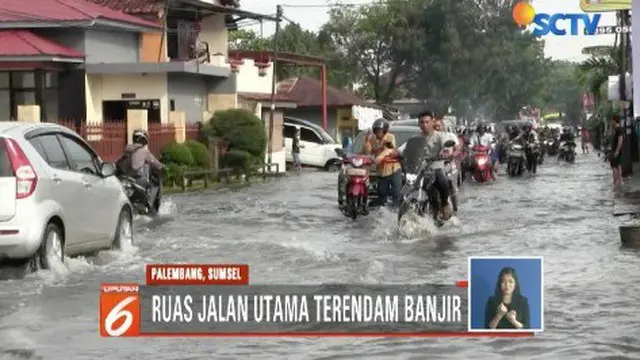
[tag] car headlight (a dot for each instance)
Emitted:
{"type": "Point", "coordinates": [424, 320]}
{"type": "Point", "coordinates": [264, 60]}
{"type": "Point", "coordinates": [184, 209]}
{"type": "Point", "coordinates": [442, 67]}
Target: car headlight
{"type": "Point", "coordinates": [411, 178]}
{"type": "Point", "coordinates": [357, 162]}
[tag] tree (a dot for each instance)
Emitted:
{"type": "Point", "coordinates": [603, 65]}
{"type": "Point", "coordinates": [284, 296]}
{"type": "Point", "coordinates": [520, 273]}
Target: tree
{"type": "Point", "coordinates": [378, 43]}
{"type": "Point", "coordinates": [595, 71]}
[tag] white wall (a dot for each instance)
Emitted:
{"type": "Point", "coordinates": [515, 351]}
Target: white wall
{"type": "Point", "coordinates": [278, 157]}
{"type": "Point", "coordinates": [99, 88]}
{"type": "Point", "coordinates": [213, 30]}
{"type": "Point", "coordinates": [250, 81]}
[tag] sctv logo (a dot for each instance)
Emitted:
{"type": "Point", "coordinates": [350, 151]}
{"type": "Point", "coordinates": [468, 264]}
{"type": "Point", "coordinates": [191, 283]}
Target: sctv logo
{"type": "Point", "coordinates": [524, 15]}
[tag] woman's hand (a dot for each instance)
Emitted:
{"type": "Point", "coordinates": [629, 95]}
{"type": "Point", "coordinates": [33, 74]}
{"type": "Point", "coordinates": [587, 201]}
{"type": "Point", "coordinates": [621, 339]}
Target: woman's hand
{"type": "Point", "coordinates": [511, 316]}
{"type": "Point", "coordinates": [502, 309]}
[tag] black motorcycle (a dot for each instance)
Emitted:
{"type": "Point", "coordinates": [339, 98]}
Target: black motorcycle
{"type": "Point", "coordinates": [552, 146]}
{"type": "Point", "coordinates": [145, 200]}
{"type": "Point", "coordinates": [419, 194]}
{"type": "Point", "coordinates": [535, 154]}
{"type": "Point", "coordinates": [568, 151]}
{"type": "Point", "coordinates": [516, 159]}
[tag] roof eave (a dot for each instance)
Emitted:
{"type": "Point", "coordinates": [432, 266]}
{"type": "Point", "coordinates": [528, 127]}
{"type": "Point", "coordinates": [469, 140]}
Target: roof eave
{"type": "Point", "coordinates": [42, 58]}
{"type": "Point", "coordinates": [218, 9]}
{"type": "Point", "coordinates": [113, 24]}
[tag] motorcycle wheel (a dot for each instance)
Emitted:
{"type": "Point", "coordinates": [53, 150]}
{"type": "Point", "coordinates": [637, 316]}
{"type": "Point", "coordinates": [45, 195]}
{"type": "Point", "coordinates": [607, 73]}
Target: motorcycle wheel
{"type": "Point", "coordinates": [571, 158]}
{"type": "Point", "coordinates": [352, 207]}
{"type": "Point", "coordinates": [406, 207]}
{"type": "Point", "coordinates": [478, 176]}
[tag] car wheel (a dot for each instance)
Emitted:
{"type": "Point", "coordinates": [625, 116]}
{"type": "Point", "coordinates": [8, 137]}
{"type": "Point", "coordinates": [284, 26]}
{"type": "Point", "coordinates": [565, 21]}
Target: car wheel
{"type": "Point", "coordinates": [123, 238]}
{"type": "Point", "coordinates": [332, 167]}
{"type": "Point", "coordinates": [51, 250]}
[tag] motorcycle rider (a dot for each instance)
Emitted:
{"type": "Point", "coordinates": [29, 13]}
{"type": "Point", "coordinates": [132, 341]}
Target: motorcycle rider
{"type": "Point", "coordinates": [567, 136]}
{"type": "Point", "coordinates": [382, 145]}
{"type": "Point", "coordinates": [434, 149]}
{"type": "Point", "coordinates": [483, 138]}
{"type": "Point", "coordinates": [137, 162]}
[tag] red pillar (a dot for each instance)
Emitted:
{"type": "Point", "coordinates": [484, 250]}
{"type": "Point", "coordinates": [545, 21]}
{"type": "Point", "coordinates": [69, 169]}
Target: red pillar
{"type": "Point", "coordinates": [323, 75]}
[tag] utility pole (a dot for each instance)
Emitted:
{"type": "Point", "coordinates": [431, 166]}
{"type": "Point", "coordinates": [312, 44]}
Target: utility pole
{"type": "Point", "coordinates": [627, 164]}
{"type": "Point", "coordinates": [273, 82]}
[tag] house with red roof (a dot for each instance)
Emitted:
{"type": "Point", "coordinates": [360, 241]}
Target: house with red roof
{"type": "Point", "coordinates": [346, 112]}
{"type": "Point", "coordinates": [95, 59]}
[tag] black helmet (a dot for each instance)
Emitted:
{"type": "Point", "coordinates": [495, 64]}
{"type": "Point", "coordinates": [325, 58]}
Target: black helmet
{"type": "Point", "coordinates": [380, 124]}
{"type": "Point", "coordinates": [527, 127]}
{"type": "Point", "coordinates": [481, 128]}
{"type": "Point", "coordinates": [140, 137]}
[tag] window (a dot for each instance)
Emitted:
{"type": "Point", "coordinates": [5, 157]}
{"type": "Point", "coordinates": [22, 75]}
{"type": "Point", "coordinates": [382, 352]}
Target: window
{"type": "Point", "coordinates": [4, 80]}
{"type": "Point", "coordinates": [25, 98]}
{"type": "Point", "coordinates": [51, 151]}
{"type": "Point", "coordinates": [309, 136]}
{"type": "Point", "coordinates": [288, 131]}
{"type": "Point", "coordinates": [51, 79]}
{"type": "Point", "coordinates": [5, 104]}
{"type": "Point", "coordinates": [51, 104]}
{"type": "Point", "coordinates": [23, 79]}
{"type": "Point", "coordinates": [5, 164]}
{"type": "Point", "coordinates": [81, 158]}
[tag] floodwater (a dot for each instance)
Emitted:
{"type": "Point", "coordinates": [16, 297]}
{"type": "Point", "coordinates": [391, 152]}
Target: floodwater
{"type": "Point", "coordinates": [290, 231]}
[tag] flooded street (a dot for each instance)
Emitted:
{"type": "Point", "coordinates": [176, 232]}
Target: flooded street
{"type": "Point", "coordinates": [290, 231]}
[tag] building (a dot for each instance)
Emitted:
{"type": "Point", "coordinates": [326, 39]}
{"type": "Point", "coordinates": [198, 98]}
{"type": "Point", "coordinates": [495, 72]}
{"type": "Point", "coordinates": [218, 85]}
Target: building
{"type": "Point", "coordinates": [112, 61]}
{"type": "Point", "coordinates": [346, 113]}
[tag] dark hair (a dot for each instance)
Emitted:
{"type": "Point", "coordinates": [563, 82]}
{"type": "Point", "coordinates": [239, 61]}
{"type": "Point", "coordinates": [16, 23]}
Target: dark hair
{"type": "Point", "coordinates": [616, 119]}
{"type": "Point", "coordinates": [426, 113]}
{"type": "Point", "coordinates": [507, 271]}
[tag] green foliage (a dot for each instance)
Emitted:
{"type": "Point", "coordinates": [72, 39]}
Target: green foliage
{"type": "Point", "coordinates": [240, 161]}
{"type": "Point", "coordinates": [178, 154]}
{"type": "Point", "coordinates": [199, 152]}
{"type": "Point", "coordinates": [240, 129]}
{"type": "Point", "coordinates": [173, 174]}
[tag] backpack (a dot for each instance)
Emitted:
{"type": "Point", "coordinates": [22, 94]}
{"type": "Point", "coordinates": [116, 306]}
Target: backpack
{"type": "Point", "coordinates": [123, 165]}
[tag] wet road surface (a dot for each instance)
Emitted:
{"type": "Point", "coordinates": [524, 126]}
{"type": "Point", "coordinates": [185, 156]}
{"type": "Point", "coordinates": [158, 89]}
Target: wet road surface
{"type": "Point", "coordinates": [291, 231]}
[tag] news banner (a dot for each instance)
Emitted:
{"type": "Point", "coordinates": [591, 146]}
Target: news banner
{"type": "Point", "coordinates": [217, 300]}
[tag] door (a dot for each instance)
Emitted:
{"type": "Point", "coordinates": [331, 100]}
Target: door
{"type": "Point", "coordinates": [64, 187]}
{"type": "Point", "coordinates": [101, 204]}
{"type": "Point", "coordinates": [288, 131]}
{"type": "Point", "coordinates": [313, 151]}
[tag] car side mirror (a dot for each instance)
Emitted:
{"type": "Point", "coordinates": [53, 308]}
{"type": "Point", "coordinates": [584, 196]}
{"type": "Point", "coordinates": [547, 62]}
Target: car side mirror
{"type": "Point", "coordinates": [449, 143]}
{"type": "Point", "coordinates": [107, 169]}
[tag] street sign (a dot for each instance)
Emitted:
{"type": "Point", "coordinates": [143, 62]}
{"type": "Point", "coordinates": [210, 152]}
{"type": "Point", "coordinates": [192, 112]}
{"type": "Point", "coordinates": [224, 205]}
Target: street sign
{"type": "Point", "coordinates": [610, 30]}
{"type": "Point", "coordinates": [604, 5]}
{"type": "Point", "coordinates": [597, 50]}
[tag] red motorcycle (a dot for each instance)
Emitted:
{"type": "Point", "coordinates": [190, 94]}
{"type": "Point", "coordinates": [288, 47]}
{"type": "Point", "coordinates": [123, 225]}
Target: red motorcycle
{"type": "Point", "coordinates": [482, 169]}
{"type": "Point", "coordinates": [356, 168]}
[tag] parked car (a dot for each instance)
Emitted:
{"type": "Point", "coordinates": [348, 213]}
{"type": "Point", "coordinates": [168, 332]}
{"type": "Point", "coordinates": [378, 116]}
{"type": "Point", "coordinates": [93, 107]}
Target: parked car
{"type": "Point", "coordinates": [319, 148]}
{"type": "Point", "coordinates": [57, 197]}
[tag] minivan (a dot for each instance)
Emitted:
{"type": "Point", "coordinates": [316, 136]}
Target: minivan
{"type": "Point", "coordinates": [320, 149]}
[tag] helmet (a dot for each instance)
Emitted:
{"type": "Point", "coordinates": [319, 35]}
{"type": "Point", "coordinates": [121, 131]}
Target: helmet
{"type": "Point", "coordinates": [140, 137]}
{"type": "Point", "coordinates": [481, 128]}
{"type": "Point", "coordinates": [380, 124]}
{"type": "Point", "coordinates": [527, 127]}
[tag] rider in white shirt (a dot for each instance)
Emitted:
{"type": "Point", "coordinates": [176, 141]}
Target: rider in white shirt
{"type": "Point", "coordinates": [481, 137]}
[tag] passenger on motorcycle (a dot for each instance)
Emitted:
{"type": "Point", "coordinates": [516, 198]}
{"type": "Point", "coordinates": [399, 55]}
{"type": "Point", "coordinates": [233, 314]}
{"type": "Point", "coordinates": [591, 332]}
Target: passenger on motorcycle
{"type": "Point", "coordinates": [137, 161]}
{"type": "Point", "coordinates": [528, 136]}
{"type": "Point", "coordinates": [436, 149]}
{"type": "Point", "coordinates": [567, 135]}
{"type": "Point", "coordinates": [382, 145]}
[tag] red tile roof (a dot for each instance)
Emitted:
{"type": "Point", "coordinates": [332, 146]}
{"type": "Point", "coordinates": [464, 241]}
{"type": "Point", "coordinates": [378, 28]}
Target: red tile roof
{"type": "Point", "coordinates": [25, 11]}
{"type": "Point", "coordinates": [265, 97]}
{"type": "Point", "coordinates": [306, 91]}
{"type": "Point", "coordinates": [26, 43]}
{"type": "Point", "coordinates": [132, 6]}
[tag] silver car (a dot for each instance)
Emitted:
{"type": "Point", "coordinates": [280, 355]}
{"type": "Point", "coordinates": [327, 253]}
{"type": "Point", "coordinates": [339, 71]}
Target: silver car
{"type": "Point", "coordinates": [57, 197]}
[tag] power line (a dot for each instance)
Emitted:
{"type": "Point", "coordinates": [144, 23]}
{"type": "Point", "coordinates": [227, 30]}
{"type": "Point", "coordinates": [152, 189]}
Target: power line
{"type": "Point", "coordinates": [337, 5]}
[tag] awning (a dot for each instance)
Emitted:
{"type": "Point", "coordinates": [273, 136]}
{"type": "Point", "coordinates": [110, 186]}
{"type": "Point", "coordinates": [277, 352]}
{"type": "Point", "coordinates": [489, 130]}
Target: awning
{"type": "Point", "coordinates": [154, 68]}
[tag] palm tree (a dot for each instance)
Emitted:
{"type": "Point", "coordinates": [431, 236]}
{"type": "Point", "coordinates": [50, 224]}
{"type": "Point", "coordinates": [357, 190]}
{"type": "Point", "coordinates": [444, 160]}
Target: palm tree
{"type": "Point", "coordinates": [596, 70]}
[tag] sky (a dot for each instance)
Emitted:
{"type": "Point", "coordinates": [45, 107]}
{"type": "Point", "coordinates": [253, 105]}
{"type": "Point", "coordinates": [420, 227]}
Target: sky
{"type": "Point", "coordinates": [556, 47]}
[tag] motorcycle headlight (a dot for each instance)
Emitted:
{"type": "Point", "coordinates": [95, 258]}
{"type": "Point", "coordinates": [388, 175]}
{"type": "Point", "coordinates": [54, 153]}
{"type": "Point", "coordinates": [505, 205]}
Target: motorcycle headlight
{"type": "Point", "coordinates": [411, 178]}
{"type": "Point", "coordinates": [517, 147]}
{"type": "Point", "coordinates": [482, 161]}
{"type": "Point", "coordinates": [357, 162]}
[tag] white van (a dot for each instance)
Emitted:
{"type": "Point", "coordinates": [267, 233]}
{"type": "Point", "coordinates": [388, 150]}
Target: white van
{"type": "Point", "coordinates": [319, 148]}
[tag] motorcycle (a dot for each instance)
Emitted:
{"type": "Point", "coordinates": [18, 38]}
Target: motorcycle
{"type": "Point", "coordinates": [357, 186]}
{"type": "Point", "coordinates": [145, 201]}
{"type": "Point", "coordinates": [534, 150]}
{"type": "Point", "coordinates": [568, 152]}
{"type": "Point", "coordinates": [515, 159]}
{"type": "Point", "coordinates": [482, 169]}
{"type": "Point", "coordinates": [419, 195]}
{"type": "Point", "coordinates": [552, 147]}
